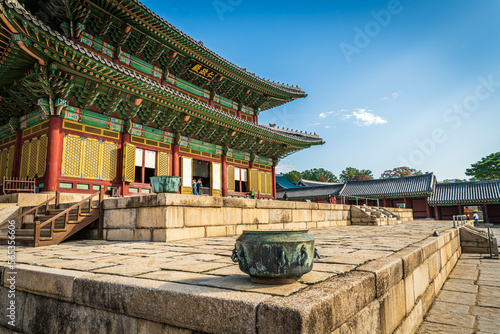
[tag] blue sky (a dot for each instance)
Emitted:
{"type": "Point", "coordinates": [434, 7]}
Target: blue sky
{"type": "Point", "coordinates": [390, 83]}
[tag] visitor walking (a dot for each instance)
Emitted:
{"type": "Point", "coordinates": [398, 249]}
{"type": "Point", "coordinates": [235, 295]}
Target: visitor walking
{"type": "Point", "coordinates": [252, 194]}
{"type": "Point", "coordinates": [195, 192]}
{"type": "Point", "coordinates": [285, 196]}
{"type": "Point", "coordinates": [476, 219]}
{"type": "Point", "coordinates": [199, 186]}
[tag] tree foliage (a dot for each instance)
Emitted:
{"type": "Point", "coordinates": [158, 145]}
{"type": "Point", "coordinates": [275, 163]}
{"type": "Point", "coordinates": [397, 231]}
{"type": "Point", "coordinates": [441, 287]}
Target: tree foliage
{"type": "Point", "coordinates": [400, 172]}
{"type": "Point", "coordinates": [351, 173]}
{"type": "Point", "coordinates": [315, 174]}
{"type": "Point", "coordinates": [488, 168]}
{"type": "Point", "coordinates": [319, 174]}
{"type": "Point", "coordinates": [293, 176]}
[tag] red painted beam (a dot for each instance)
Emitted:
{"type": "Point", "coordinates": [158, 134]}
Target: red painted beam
{"type": "Point", "coordinates": [54, 153]}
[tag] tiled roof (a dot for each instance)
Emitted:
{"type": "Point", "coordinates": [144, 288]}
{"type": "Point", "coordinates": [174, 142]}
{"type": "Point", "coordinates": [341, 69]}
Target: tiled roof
{"type": "Point", "coordinates": [309, 138]}
{"type": "Point", "coordinates": [284, 182]}
{"type": "Point", "coordinates": [200, 46]}
{"type": "Point", "coordinates": [310, 192]}
{"type": "Point", "coordinates": [310, 183]}
{"type": "Point", "coordinates": [404, 186]}
{"type": "Point", "coordinates": [466, 192]}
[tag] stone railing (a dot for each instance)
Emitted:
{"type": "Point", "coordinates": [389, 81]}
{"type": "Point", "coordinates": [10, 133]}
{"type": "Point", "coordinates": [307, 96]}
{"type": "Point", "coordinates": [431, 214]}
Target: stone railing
{"type": "Point", "coordinates": [167, 217]}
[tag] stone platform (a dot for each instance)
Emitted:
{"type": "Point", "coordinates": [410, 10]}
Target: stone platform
{"type": "Point", "coordinates": [169, 217]}
{"type": "Point", "coordinates": [370, 280]}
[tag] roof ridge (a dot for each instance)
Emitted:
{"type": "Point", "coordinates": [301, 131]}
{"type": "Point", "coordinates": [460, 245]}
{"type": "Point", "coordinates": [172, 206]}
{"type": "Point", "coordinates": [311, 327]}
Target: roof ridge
{"type": "Point", "coordinates": [285, 87]}
{"type": "Point", "coordinates": [20, 9]}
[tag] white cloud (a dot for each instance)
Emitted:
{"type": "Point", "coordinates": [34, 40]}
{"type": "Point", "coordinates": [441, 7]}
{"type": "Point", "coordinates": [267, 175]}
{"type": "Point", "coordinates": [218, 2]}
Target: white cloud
{"type": "Point", "coordinates": [313, 124]}
{"type": "Point", "coordinates": [284, 168]}
{"type": "Point", "coordinates": [364, 117]}
{"type": "Point", "coordinates": [325, 114]}
{"type": "Point", "coordinates": [327, 127]}
{"type": "Point", "coordinates": [393, 96]}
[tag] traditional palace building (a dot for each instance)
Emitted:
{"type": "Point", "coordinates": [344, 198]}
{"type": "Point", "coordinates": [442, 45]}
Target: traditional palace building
{"type": "Point", "coordinates": [106, 93]}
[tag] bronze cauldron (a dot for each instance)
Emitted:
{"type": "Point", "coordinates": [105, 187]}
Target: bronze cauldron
{"type": "Point", "coordinates": [275, 257]}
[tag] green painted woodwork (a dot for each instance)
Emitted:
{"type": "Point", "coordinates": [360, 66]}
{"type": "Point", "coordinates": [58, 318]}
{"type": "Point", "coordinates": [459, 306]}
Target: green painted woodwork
{"type": "Point", "coordinates": [66, 185]}
{"type": "Point", "coordinates": [96, 187]}
{"type": "Point", "coordinates": [92, 81]}
{"type": "Point", "coordinates": [31, 119]}
{"type": "Point", "coordinates": [82, 186]}
{"type": "Point", "coordinates": [133, 190]}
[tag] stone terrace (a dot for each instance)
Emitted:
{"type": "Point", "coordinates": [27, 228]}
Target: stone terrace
{"type": "Point", "coordinates": [193, 284]}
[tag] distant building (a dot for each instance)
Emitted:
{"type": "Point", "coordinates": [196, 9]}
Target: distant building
{"type": "Point", "coordinates": [422, 193]}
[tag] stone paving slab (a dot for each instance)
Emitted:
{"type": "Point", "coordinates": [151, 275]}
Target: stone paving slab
{"type": "Point", "coordinates": [469, 301]}
{"type": "Point", "coordinates": [207, 261]}
{"type": "Point", "coordinates": [198, 274]}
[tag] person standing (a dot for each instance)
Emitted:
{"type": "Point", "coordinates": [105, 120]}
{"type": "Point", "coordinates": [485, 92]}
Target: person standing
{"type": "Point", "coordinates": [285, 196]}
{"type": "Point", "coordinates": [199, 186]}
{"type": "Point", "coordinates": [195, 192]}
{"type": "Point", "coordinates": [476, 219]}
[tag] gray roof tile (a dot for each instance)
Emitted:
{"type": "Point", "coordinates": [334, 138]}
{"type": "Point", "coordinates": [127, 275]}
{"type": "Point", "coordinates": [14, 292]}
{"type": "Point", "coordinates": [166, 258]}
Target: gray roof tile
{"type": "Point", "coordinates": [466, 192]}
{"type": "Point", "coordinates": [403, 186]}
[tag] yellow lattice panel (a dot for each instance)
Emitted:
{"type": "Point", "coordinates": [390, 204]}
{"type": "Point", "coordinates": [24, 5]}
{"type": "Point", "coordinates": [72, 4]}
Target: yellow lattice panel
{"type": "Point", "coordinates": [230, 178]}
{"type": "Point", "coordinates": [262, 182]}
{"type": "Point", "coordinates": [269, 183]}
{"type": "Point", "coordinates": [33, 158]}
{"type": "Point", "coordinates": [91, 159]}
{"type": "Point", "coordinates": [72, 152]}
{"type": "Point", "coordinates": [253, 178]}
{"type": "Point", "coordinates": [163, 164]}
{"type": "Point", "coordinates": [128, 163]}
{"type": "Point", "coordinates": [25, 159]}
{"type": "Point", "coordinates": [42, 155]}
{"type": "Point", "coordinates": [10, 161]}
{"type": "Point", "coordinates": [3, 162]}
{"type": "Point", "coordinates": [108, 165]}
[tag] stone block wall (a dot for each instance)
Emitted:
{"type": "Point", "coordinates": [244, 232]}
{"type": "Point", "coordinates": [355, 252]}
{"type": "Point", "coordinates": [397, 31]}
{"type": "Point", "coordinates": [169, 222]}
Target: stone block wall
{"type": "Point", "coordinates": [167, 217]}
{"type": "Point", "coordinates": [405, 214]}
{"type": "Point", "coordinates": [387, 295]}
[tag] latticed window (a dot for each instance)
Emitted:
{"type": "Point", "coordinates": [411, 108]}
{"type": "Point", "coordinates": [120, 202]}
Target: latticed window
{"type": "Point", "coordinates": [33, 157]}
{"type": "Point", "coordinates": [89, 158]}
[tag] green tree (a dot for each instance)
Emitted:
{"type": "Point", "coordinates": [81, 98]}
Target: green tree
{"type": "Point", "coordinates": [488, 168]}
{"type": "Point", "coordinates": [400, 172]}
{"type": "Point", "coordinates": [293, 176]}
{"type": "Point", "coordinates": [351, 173]}
{"type": "Point", "coordinates": [319, 174]}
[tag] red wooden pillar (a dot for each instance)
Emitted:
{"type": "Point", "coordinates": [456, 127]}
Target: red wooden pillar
{"type": "Point", "coordinates": [406, 202]}
{"type": "Point", "coordinates": [273, 177]}
{"type": "Point", "coordinates": [54, 153]}
{"type": "Point", "coordinates": [460, 209]}
{"type": "Point", "coordinates": [18, 147]}
{"type": "Point", "coordinates": [124, 189]}
{"type": "Point", "coordinates": [485, 213]}
{"type": "Point", "coordinates": [176, 163]}
{"type": "Point", "coordinates": [384, 202]}
{"type": "Point", "coordinates": [427, 208]}
{"type": "Point", "coordinates": [436, 213]}
{"type": "Point", "coordinates": [224, 176]}
{"type": "Point", "coordinates": [255, 119]}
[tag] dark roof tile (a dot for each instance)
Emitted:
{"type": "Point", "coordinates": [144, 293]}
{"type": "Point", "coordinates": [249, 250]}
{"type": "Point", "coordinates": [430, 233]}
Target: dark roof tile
{"type": "Point", "coordinates": [466, 192]}
{"type": "Point", "coordinates": [403, 186]}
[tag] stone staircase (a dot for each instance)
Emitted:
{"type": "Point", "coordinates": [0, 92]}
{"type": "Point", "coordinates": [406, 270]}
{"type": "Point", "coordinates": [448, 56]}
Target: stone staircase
{"type": "Point", "coordinates": [373, 216]}
{"type": "Point", "coordinates": [48, 224]}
